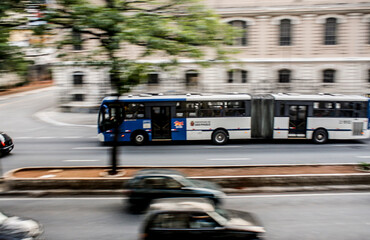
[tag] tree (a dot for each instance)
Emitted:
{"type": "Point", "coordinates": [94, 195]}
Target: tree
{"type": "Point", "coordinates": [178, 28]}
{"type": "Point", "coordinates": [11, 57]}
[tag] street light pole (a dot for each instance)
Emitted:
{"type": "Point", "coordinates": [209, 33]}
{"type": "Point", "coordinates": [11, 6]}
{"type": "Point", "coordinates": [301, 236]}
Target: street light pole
{"type": "Point", "coordinates": [115, 152]}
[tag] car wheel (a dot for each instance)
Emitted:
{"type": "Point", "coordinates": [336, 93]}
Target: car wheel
{"type": "Point", "coordinates": [220, 137]}
{"type": "Point", "coordinates": [320, 136]}
{"type": "Point", "coordinates": [139, 138]}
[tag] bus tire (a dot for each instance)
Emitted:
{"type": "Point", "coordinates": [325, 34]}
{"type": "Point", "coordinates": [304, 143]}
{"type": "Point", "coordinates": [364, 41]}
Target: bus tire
{"type": "Point", "coordinates": [220, 137]}
{"type": "Point", "coordinates": [139, 138]}
{"type": "Point", "coordinates": [320, 136]}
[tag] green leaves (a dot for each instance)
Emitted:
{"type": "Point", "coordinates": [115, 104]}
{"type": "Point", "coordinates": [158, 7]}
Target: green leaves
{"type": "Point", "coordinates": [11, 57]}
{"type": "Point", "coordinates": [177, 28]}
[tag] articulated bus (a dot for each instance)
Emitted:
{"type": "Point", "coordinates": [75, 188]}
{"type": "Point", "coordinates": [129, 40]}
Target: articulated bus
{"type": "Point", "coordinates": [220, 118]}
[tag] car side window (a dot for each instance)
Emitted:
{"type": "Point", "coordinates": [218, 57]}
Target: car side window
{"type": "Point", "coordinates": [170, 220]}
{"type": "Point", "coordinates": [202, 220]}
{"type": "Point", "coordinates": [154, 183]}
{"type": "Point", "coordinates": [172, 184]}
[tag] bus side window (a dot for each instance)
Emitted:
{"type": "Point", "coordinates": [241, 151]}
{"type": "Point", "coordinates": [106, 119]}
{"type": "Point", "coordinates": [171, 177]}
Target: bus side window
{"type": "Point", "coordinates": [282, 109]}
{"type": "Point", "coordinates": [180, 109]}
{"type": "Point", "coordinates": [192, 109]}
{"type": "Point", "coordinates": [134, 110]}
{"type": "Point", "coordinates": [324, 109]}
{"type": "Point", "coordinates": [346, 109]}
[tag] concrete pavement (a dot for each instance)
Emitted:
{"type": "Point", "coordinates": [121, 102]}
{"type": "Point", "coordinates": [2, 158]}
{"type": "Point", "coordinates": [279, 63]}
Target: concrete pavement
{"type": "Point", "coordinates": [55, 117]}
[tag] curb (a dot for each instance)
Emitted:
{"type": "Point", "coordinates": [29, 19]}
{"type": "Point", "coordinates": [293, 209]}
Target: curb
{"type": "Point", "coordinates": [38, 187]}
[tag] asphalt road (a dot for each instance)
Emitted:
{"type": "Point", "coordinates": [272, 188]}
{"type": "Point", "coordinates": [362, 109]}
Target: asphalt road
{"type": "Point", "coordinates": [339, 216]}
{"type": "Point", "coordinates": [39, 143]}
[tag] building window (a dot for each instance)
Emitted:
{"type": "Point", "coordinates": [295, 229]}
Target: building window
{"type": "Point", "coordinates": [329, 76]}
{"type": "Point", "coordinates": [331, 31]}
{"type": "Point", "coordinates": [78, 78]}
{"type": "Point", "coordinates": [191, 78]}
{"type": "Point", "coordinates": [78, 97]}
{"type": "Point", "coordinates": [76, 40]}
{"type": "Point", "coordinates": [285, 32]}
{"type": "Point", "coordinates": [153, 78]}
{"type": "Point", "coordinates": [368, 75]}
{"type": "Point", "coordinates": [284, 76]}
{"type": "Point", "coordinates": [242, 40]}
{"type": "Point", "coordinates": [237, 76]}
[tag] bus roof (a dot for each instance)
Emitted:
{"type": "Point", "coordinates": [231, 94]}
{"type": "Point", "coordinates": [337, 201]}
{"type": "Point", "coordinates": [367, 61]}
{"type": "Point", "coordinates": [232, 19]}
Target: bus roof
{"type": "Point", "coordinates": [187, 97]}
{"type": "Point", "coordinates": [230, 97]}
{"type": "Point", "coordinates": [319, 97]}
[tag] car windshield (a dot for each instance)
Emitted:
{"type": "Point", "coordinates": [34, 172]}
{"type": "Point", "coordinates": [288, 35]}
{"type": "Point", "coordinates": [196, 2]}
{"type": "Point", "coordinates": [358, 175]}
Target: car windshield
{"type": "Point", "coordinates": [186, 182]}
{"type": "Point", "coordinates": [220, 215]}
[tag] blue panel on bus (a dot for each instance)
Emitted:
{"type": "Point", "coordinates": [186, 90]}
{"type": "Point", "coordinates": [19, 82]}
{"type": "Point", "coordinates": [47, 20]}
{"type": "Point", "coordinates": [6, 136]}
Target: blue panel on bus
{"type": "Point", "coordinates": [129, 126]}
{"type": "Point", "coordinates": [155, 100]}
{"type": "Point", "coordinates": [178, 128]}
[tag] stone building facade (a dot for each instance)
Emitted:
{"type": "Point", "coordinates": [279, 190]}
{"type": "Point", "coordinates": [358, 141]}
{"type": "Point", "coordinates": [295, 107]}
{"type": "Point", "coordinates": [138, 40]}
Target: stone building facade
{"type": "Point", "coordinates": [302, 46]}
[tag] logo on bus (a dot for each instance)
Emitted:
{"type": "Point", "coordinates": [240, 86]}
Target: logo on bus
{"type": "Point", "coordinates": [179, 124]}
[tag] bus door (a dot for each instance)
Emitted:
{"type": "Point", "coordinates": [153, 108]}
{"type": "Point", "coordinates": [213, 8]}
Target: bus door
{"type": "Point", "coordinates": [161, 122]}
{"type": "Point", "coordinates": [297, 121]}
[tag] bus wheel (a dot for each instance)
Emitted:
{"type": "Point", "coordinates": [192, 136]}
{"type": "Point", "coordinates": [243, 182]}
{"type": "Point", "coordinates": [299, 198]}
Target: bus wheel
{"type": "Point", "coordinates": [320, 136]}
{"type": "Point", "coordinates": [139, 138]}
{"type": "Point", "coordinates": [220, 137]}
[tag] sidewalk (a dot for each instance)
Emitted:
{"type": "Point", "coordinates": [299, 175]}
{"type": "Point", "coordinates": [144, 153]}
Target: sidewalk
{"type": "Point", "coordinates": [55, 117]}
{"type": "Point", "coordinates": [28, 87]}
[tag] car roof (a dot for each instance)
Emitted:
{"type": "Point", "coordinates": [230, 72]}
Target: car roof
{"type": "Point", "coordinates": [182, 204]}
{"type": "Point", "coordinates": [158, 171]}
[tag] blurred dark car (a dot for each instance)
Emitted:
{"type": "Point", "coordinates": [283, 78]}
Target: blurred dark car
{"type": "Point", "coordinates": [17, 228]}
{"type": "Point", "coordinates": [149, 184]}
{"type": "Point", "coordinates": [6, 144]}
{"type": "Point", "coordinates": [197, 219]}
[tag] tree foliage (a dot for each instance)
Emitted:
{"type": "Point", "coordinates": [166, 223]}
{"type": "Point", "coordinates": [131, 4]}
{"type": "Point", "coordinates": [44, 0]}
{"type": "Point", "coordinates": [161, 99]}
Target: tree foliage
{"type": "Point", "coordinates": [178, 28]}
{"type": "Point", "coordinates": [11, 57]}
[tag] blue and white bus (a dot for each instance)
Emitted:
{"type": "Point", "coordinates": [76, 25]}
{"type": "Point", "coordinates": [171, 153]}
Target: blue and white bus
{"type": "Point", "coordinates": [220, 118]}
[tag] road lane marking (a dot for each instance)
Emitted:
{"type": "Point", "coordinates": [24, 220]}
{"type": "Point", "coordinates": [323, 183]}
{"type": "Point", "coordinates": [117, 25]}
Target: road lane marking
{"type": "Point", "coordinates": [91, 148]}
{"type": "Point", "coordinates": [363, 156]}
{"type": "Point", "coordinates": [297, 195]}
{"type": "Point", "coordinates": [219, 147]}
{"type": "Point", "coordinates": [228, 159]}
{"type": "Point", "coordinates": [72, 137]}
{"type": "Point", "coordinates": [81, 160]}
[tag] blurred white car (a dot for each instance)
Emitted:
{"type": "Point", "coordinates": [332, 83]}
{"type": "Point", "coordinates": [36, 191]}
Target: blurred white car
{"type": "Point", "coordinates": [16, 228]}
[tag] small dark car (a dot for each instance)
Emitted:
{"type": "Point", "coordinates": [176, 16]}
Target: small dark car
{"type": "Point", "coordinates": [151, 184]}
{"type": "Point", "coordinates": [6, 144]}
{"type": "Point", "coordinates": [197, 219]}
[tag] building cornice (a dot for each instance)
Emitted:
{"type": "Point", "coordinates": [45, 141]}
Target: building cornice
{"type": "Point", "coordinates": [295, 9]}
{"type": "Point", "coordinates": [242, 60]}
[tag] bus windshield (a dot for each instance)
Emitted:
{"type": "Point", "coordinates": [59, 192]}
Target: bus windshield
{"type": "Point", "coordinates": [110, 115]}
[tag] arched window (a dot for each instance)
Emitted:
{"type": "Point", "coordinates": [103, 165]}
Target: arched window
{"type": "Point", "coordinates": [237, 76]}
{"type": "Point", "coordinates": [191, 77]}
{"type": "Point", "coordinates": [242, 40]}
{"type": "Point", "coordinates": [330, 31]}
{"type": "Point", "coordinates": [284, 76]}
{"type": "Point", "coordinates": [285, 32]}
{"type": "Point", "coordinates": [78, 78]}
{"type": "Point", "coordinates": [328, 76]}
